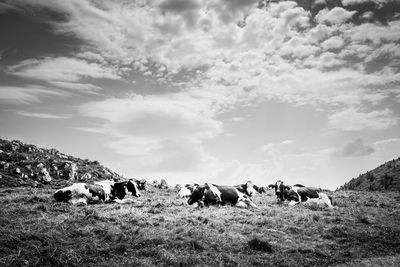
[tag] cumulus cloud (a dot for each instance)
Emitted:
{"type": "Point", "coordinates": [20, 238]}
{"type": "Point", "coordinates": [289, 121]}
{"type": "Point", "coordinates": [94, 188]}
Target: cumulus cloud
{"type": "Point", "coordinates": [334, 42]}
{"type": "Point", "coordinates": [336, 15]}
{"type": "Point", "coordinates": [375, 33]}
{"type": "Point", "coordinates": [354, 120]}
{"type": "Point", "coordinates": [355, 148]}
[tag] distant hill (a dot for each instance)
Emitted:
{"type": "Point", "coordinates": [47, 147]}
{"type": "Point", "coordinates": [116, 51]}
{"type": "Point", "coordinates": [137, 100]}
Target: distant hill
{"type": "Point", "coordinates": [28, 165]}
{"type": "Point", "coordinates": [382, 178]}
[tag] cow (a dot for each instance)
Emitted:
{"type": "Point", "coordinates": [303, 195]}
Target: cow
{"type": "Point", "coordinates": [247, 188]}
{"type": "Point", "coordinates": [141, 184]}
{"type": "Point", "coordinates": [211, 194]}
{"type": "Point", "coordinates": [300, 193]}
{"type": "Point", "coordinates": [260, 189]}
{"type": "Point", "coordinates": [101, 191]}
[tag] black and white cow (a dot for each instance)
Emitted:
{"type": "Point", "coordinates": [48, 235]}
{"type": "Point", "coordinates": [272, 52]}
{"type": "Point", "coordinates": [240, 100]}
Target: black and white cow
{"type": "Point", "coordinates": [248, 188]}
{"type": "Point", "coordinates": [300, 193]}
{"type": "Point", "coordinates": [102, 191]}
{"type": "Point", "coordinates": [211, 194]}
{"type": "Point", "coordinates": [260, 189]}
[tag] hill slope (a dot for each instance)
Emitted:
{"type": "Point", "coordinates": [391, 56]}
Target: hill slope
{"type": "Point", "coordinates": [384, 177]}
{"type": "Point", "coordinates": [28, 165]}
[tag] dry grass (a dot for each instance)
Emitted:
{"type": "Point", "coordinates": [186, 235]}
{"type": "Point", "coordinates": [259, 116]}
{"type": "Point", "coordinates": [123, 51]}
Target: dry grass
{"type": "Point", "coordinates": [160, 229]}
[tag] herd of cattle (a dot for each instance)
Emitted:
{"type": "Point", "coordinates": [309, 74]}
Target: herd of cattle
{"type": "Point", "coordinates": [204, 195]}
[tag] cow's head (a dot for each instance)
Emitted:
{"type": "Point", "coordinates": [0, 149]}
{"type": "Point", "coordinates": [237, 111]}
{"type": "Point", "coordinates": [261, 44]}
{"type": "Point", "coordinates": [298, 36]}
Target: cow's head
{"type": "Point", "coordinates": [141, 184]}
{"type": "Point", "coordinates": [250, 190]}
{"type": "Point", "coordinates": [132, 187]}
{"type": "Point", "coordinates": [280, 190]}
{"type": "Point", "coordinates": [197, 194]}
{"type": "Point", "coordinates": [120, 189]}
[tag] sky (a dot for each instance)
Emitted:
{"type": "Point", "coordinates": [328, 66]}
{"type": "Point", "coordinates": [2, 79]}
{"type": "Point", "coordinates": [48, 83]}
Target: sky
{"type": "Point", "coordinates": [220, 91]}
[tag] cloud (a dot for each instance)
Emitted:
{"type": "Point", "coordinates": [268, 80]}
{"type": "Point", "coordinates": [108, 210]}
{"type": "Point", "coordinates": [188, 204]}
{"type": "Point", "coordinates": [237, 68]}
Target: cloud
{"type": "Point", "coordinates": [354, 120]}
{"type": "Point", "coordinates": [157, 130]}
{"type": "Point", "coordinates": [238, 119]}
{"type": "Point", "coordinates": [61, 69]}
{"type": "Point", "coordinates": [82, 87]}
{"type": "Point", "coordinates": [287, 142]}
{"type": "Point", "coordinates": [276, 54]}
{"type": "Point", "coordinates": [161, 117]}
{"type": "Point", "coordinates": [42, 115]}
{"type": "Point", "coordinates": [375, 33]}
{"type": "Point", "coordinates": [334, 42]}
{"type": "Point", "coordinates": [387, 141]}
{"type": "Point", "coordinates": [355, 148]}
{"type": "Point", "coordinates": [358, 2]}
{"type": "Point", "coordinates": [187, 9]}
{"type": "Point", "coordinates": [25, 95]}
{"type": "Point", "coordinates": [336, 15]}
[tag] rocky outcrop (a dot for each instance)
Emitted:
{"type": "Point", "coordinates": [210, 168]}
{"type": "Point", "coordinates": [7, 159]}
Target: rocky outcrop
{"type": "Point", "coordinates": [25, 164]}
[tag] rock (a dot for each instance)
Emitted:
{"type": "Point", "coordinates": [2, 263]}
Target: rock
{"type": "Point", "coordinates": [87, 176]}
{"type": "Point", "coordinates": [6, 166]}
{"type": "Point", "coordinates": [28, 167]}
{"type": "Point", "coordinates": [44, 176]}
{"type": "Point", "coordinates": [54, 171]}
{"type": "Point", "coordinates": [15, 145]}
{"type": "Point", "coordinates": [163, 184]}
{"type": "Point", "coordinates": [53, 151]}
{"type": "Point", "coordinates": [40, 165]}
{"type": "Point", "coordinates": [17, 171]}
{"type": "Point", "coordinates": [70, 171]}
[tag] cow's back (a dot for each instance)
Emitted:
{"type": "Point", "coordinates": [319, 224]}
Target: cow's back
{"type": "Point", "coordinates": [229, 194]}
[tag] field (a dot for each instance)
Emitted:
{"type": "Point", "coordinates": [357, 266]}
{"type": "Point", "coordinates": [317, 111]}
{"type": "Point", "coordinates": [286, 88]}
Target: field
{"type": "Point", "coordinates": [160, 229]}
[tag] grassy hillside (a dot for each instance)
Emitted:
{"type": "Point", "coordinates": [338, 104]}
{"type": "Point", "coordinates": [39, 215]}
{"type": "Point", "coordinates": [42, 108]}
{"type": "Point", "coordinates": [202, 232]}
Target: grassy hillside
{"type": "Point", "coordinates": [384, 177]}
{"type": "Point", "coordinates": [160, 229]}
{"type": "Point", "coordinates": [28, 165]}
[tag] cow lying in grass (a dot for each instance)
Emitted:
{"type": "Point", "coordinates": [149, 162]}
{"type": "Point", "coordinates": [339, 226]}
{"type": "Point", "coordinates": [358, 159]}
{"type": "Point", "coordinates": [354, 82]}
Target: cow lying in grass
{"type": "Point", "coordinates": [103, 191]}
{"type": "Point", "coordinates": [299, 193]}
{"type": "Point", "coordinates": [211, 194]}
